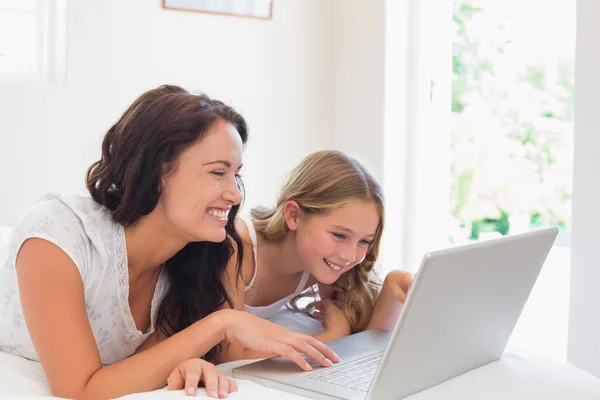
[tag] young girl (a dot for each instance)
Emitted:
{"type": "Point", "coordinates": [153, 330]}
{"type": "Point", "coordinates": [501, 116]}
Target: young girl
{"type": "Point", "coordinates": [89, 279]}
{"type": "Point", "coordinates": [324, 230]}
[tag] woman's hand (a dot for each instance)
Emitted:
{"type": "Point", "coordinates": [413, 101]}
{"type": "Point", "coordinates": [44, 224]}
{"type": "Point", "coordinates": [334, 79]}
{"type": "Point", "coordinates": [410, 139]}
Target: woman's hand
{"type": "Point", "coordinates": [332, 318]}
{"type": "Point", "coordinates": [263, 336]}
{"type": "Point", "coordinates": [191, 372]}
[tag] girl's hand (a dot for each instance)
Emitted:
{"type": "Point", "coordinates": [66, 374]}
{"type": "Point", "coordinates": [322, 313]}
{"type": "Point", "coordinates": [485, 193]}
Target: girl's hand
{"type": "Point", "coordinates": [397, 284]}
{"type": "Point", "coordinates": [332, 318]}
{"type": "Point", "coordinates": [390, 301]}
{"type": "Point", "coordinates": [191, 372]}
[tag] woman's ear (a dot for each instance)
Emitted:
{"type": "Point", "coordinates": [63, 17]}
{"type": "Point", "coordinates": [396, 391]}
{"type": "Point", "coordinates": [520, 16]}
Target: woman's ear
{"type": "Point", "coordinates": [292, 213]}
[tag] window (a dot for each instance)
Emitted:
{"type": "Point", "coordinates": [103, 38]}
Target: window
{"type": "Point", "coordinates": [32, 40]}
{"type": "Point", "coordinates": [511, 136]}
{"type": "Point", "coordinates": [490, 140]}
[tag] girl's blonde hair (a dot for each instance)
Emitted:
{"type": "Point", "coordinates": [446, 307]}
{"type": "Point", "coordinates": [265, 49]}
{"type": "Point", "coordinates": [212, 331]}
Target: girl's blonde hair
{"type": "Point", "coordinates": [322, 182]}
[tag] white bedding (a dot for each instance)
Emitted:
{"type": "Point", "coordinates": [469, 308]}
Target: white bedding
{"type": "Point", "coordinates": [22, 378]}
{"type": "Point", "coordinates": [518, 375]}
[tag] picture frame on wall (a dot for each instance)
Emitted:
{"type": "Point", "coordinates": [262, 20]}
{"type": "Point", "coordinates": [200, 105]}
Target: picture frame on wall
{"type": "Point", "coordinates": [261, 9]}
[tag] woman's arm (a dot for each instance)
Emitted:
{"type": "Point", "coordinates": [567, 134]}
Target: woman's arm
{"type": "Point", "coordinates": [53, 302]}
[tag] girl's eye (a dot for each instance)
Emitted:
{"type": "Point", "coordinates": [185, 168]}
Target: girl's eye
{"type": "Point", "coordinates": [340, 236]}
{"type": "Point", "coordinates": [365, 242]}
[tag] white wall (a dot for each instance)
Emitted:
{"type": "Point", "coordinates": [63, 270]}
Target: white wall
{"type": "Point", "coordinates": [584, 318]}
{"type": "Point", "coordinates": [313, 77]}
{"type": "Point", "coordinates": [371, 76]}
{"type": "Point", "coordinates": [277, 73]}
{"type": "Point", "coordinates": [358, 52]}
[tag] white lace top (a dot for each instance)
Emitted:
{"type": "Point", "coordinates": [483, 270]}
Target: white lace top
{"type": "Point", "coordinates": [85, 231]}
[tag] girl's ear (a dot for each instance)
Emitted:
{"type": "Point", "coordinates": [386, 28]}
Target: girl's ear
{"type": "Point", "coordinates": [292, 213]}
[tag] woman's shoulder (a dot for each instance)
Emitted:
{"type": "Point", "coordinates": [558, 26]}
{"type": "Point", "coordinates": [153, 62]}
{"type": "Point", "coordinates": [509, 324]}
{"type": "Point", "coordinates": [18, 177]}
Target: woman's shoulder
{"type": "Point", "coordinates": [79, 226]}
{"type": "Point", "coordinates": [68, 206]}
{"type": "Point", "coordinates": [68, 212]}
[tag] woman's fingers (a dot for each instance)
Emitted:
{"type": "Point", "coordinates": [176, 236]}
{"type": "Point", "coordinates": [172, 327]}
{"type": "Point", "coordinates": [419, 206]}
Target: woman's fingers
{"type": "Point", "coordinates": [232, 385]}
{"type": "Point", "coordinates": [223, 386]}
{"type": "Point", "coordinates": [192, 379]}
{"type": "Point", "coordinates": [322, 348]}
{"type": "Point", "coordinates": [289, 352]}
{"type": "Point", "coordinates": [175, 381]}
{"type": "Point", "coordinates": [189, 374]}
{"type": "Point", "coordinates": [302, 345]}
{"type": "Point", "coordinates": [311, 347]}
{"type": "Point", "coordinates": [210, 377]}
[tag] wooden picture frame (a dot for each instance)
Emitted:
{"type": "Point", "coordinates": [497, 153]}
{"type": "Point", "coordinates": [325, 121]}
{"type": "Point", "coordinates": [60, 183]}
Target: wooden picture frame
{"type": "Point", "coordinates": [257, 9]}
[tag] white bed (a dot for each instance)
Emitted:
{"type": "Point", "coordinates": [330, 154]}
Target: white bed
{"type": "Point", "coordinates": [518, 375]}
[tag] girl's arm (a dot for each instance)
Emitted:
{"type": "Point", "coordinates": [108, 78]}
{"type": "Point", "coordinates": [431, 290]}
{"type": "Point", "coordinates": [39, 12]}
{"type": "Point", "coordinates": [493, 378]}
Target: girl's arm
{"type": "Point", "coordinates": [331, 315]}
{"type": "Point", "coordinates": [388, 305]}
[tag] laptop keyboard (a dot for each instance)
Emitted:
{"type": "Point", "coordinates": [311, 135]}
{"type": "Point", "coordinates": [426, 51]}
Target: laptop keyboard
{"type": "Point", "coordinates": [356, 375]}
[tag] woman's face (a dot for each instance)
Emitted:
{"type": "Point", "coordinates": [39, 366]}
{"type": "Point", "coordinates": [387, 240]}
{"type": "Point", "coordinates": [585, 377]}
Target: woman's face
{"type": "Point", "coordinates": [202, 186]}
{"type": "Point", "coordinates": [337, 241]}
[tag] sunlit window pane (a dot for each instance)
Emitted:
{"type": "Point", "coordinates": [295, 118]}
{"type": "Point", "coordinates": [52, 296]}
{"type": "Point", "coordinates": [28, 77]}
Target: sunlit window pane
{"type": "Point", "coordinates": [512, 142]}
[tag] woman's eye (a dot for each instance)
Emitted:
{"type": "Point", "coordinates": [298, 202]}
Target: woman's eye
{"type": "Point", "coordinates": [340, 236]}
{"type": "Point", "coordinates": [365, 242]}
{"type": "Point", "coordinates": [218, 173]}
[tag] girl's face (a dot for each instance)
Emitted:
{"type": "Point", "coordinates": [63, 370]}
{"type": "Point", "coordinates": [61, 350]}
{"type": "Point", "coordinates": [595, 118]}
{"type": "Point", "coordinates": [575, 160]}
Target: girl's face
{"type": "Point", "coordinates": [333, 243]}
{"type": "Point", "coordinates": [202, 187]}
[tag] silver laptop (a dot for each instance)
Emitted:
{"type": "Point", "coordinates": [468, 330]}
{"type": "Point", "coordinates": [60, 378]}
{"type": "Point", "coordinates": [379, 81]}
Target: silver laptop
{"type": "Point", "coordinates": [459, 315]}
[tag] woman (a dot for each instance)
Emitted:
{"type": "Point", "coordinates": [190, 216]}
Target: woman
{"type": "Point", "coordinates": [87, 280]}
